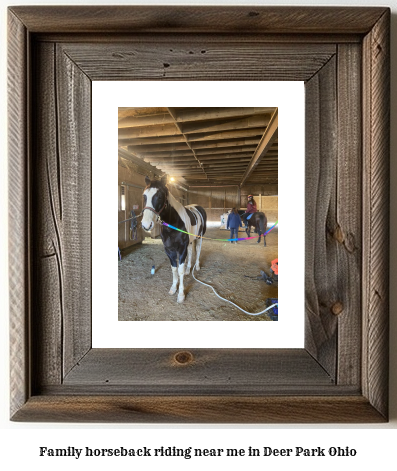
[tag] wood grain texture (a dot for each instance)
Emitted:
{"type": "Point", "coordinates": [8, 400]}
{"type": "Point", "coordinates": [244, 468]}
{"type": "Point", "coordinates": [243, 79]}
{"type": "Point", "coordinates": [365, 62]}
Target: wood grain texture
{"type": "Point", "coordinates": [198, 19]}
{"type": "Point", "coordinates": [170, 59]}
{"type": "Point", "coordinates": [330, 381]}
{"type": "Point", "coordinates": [205, 369]}
{"type": "Point", "coordinates": [199, 409]}
{"type": "Point", "coordinates": [73, 90]}
{"type": "Point", "coordinates": [62, 205]}
{"type": "Point", "coordinates": [321, 263]}
{"type": "Point", "coordinates": [376, 92]}
{"type": "Point", "coordinates": [19, 224]}
{"type": "Point", "coordinates": [48, 282]}
{"type": "Point", "coordinates": [347, 225]}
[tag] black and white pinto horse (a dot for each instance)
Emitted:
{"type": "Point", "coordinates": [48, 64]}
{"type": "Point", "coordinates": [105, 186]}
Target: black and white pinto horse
{"type": "Point", "coordinates": [159, 204]}
{"type": "Point", "coordinates": [258, 221]}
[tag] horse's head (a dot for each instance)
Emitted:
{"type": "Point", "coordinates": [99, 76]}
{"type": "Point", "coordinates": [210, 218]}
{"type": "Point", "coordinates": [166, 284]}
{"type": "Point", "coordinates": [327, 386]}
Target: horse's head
{"type": "Point", "coordinates": [155, 200]}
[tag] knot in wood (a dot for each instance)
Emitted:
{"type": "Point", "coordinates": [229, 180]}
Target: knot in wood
{"type": "Point", "coordinates": [337, 308]}
{"type": "Point", "coordinates": [183, 358]}
{"type": "Point", "coordinates": [338, 235]}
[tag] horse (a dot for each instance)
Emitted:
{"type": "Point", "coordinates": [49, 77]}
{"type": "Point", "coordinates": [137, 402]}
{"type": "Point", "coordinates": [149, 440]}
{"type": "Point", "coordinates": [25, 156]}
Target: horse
{"type": "Point", "coordinates": [258, 221]}
{"type": "Point", "coordinates": [160, 205]}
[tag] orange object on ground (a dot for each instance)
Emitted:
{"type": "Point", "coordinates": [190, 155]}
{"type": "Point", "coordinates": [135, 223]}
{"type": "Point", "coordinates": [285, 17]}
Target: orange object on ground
{"type": "Point", "coordinates": [275, 266]}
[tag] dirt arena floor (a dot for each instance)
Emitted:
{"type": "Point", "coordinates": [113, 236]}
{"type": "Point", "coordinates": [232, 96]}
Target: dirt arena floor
{"type": "Point", "coordinates": [232, 269]}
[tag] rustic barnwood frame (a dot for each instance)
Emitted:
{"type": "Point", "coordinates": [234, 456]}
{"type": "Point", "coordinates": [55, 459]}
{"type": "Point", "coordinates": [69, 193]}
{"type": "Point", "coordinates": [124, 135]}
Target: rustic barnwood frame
{"type": "Point", "coordinates": [343, 56]}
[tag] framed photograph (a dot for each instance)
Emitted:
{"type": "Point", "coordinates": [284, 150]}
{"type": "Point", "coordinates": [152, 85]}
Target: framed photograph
{"type": "Point", "coordinates": [230, 285]}
{"type": "Point", "coordinates": [340, 375]}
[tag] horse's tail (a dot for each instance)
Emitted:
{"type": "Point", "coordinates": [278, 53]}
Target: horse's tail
{"type": "Point", "coordinates": [262, 222]}
{"type": "Point", "coordinates": [203, 218]}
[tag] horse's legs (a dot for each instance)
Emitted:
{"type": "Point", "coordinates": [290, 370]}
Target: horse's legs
{"type": "Point", "coordinates": [181, 272]}
{"type": "Point", "coordinates": [172, 257]}
{"type": "Point", "coordinates": [259, 238]}
{"type": "Point", "coordinates": [198, 252]}
{"type": "Point", "coordinates": [264, 240]}
{"type": "Point", "coordinates": [189, 258]}
{"type": "Point", "coordinates": [174, 280]}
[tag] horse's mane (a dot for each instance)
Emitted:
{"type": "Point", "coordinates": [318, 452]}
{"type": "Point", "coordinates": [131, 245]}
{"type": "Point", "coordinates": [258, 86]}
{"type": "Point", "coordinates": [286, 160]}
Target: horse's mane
{"type": "Point", "coordinates": [180, 209]}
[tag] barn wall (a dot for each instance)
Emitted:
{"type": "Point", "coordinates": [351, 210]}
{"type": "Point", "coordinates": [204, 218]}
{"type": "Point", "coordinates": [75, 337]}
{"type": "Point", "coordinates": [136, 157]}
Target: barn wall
{"type": "Point", "coordinates": [215, 200]}
{"type": "Point", "coordinates": [257, 189]}
{"type": "Point", "coordinates": [218, 200]}
{"type": "Point", "coordinates": [133, 177]}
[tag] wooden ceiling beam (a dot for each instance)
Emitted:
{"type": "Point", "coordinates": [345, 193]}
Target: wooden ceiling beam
{"type": "Point", "coordinates": [199, 114]}
{"type": "Point", "coordinates": [173, 114]}
{"type": "Point", "coordinates": [231, 165]}
{"type": "Point", "coordinates": [140, 121]}
{"type": "Point", "coordinates": [171, 161]}
{"type": "Point", "coordinates": [225, 125]}
{"type": "Point", "coordinates": [226, 143]}
{"type": "Point", "coordinates": [225, 157]}
{"type": "Point", "coordinates": [195, 177]}
{"type": "Point", "coordinates": [151, 140]}
{"type": "Point", "coordinates": [238, 155]}
{"type": "Point", "coordinates": [155, 155]}
{"type": "Point", "coordinates": [177, 167]}
{"type": "Point", "coordinates": [161, 147]}
{"type": "Point", "coordinates": [213, 136]}
{"type": "Point", "coordinates": [185, 172]}
{"type": "Point", "coordinates": [151, 131]}
{"type": "Point", "coordinates": [227, 160]}
{"type": "Point", "coordinates": [267, 140]}
{"type": "Point", "coordinates": [225, 172]}
{"type": "Point", "coordinates": [225, 150]}
{"type": "Point", "coordinates": [225, 164]}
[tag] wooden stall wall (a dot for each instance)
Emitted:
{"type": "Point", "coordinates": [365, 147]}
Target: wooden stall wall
{"type": "Point", "coordinates": [131, 182]}
{"type": "Point", "coordinates": [215, 200]}
{"type": "Point", "coordinates": [269, 205]}
{"type": "Point", "coordinates": [218, 200]}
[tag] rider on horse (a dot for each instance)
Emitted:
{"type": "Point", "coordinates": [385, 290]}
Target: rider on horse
{"type": "Point", "coordinates": [251, 208]}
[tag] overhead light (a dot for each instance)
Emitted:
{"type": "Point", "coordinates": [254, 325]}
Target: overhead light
{"type": "Point", "coordinates": [172, 179]}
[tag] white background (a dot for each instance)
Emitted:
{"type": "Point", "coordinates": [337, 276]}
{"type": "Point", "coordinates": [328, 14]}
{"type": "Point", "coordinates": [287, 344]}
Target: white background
{"type": "Point", "coordinates": [375, 444]}
{"type": "Point", "coordinates": [288, 332]}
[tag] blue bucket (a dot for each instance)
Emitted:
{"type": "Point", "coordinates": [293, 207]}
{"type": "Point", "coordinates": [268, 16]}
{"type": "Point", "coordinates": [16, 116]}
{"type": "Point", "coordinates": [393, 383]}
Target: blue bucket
{"type": "Point", "coordinates": [273, 312]}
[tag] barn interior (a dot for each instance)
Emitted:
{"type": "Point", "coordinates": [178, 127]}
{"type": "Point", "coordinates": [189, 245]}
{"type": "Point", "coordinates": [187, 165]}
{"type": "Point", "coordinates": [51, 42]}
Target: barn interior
{"type": "Point", "coordinates": [214, 157]}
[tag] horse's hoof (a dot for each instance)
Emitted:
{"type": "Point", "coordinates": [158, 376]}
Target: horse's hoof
{"type": "Point", "coordinates": [172, 291]}
{"type": "Point", "coordinates": [197, 268]}
{"type": "Point", "coordinates": [181, 298]}
{"type": "Point", "coordinates": [187, 271]}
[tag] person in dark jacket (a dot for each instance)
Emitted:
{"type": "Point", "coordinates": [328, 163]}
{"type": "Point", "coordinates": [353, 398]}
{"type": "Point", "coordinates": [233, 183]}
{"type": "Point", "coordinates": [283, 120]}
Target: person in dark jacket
{"type": "Point", "coordinates": [233, 223]}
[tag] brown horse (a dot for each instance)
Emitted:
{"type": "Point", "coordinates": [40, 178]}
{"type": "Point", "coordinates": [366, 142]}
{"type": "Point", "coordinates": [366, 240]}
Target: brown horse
{"type": "Point", "coordinates": [258, 221]}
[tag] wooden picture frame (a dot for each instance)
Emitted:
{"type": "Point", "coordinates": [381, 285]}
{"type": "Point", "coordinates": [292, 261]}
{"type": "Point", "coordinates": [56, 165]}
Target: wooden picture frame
{"type": "Point", "coordinates": [342, 54]}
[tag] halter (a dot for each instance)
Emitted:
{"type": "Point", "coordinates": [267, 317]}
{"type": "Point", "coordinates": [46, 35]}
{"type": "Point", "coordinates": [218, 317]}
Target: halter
{"type": "Point", "coordinates": [153, 211]}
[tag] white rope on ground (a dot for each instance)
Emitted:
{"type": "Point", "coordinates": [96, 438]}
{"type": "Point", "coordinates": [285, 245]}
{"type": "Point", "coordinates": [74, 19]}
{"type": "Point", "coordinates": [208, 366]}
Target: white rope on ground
{"type": "Point", "coordinates": [205, 284]}
{"type": "Point", "coordinates": [238, 307]}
